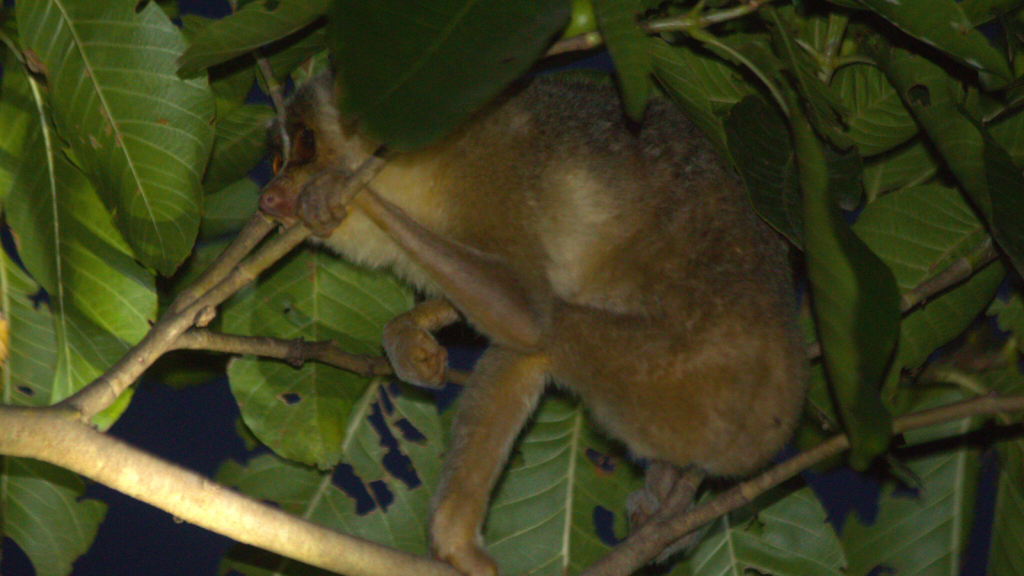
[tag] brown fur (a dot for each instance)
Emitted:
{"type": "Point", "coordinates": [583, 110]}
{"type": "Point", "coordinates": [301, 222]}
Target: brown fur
{"type": "Point", "coordinates": [648, 285]}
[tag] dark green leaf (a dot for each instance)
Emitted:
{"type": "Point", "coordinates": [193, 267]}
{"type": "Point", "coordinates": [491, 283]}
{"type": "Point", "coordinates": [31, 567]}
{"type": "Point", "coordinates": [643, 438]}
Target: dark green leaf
{"type": "Point", "coordinates": [919, 232]}
{"type": "Point", "coordinates": [255, 25]}
{"type": "Point", "coordinates": [41, 502]}
{"type": "Point", "coordinates": [942, 23]}
{"type": "Point", "coordinates": [877, 121]}
{"type": "Point", "coordinates": [912, 164]}
{"type": "Point", "coordinates": [412, 71]}
{"type": "Point", "coordinates": [239, 144]}
{"type": "Point", "coordinates": [631, 49]}
{"type": "Point", "coordinates": [701, 84]}
{"type": "Point", "coordinates": [856, 306]}
{"type": "Point", "coordinates": [759, 144]}
{"type": "Point", "coordinates": [983, 168]}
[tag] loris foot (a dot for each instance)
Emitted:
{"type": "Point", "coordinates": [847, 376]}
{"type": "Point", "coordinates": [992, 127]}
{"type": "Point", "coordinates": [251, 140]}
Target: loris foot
{"type": "Point", "coordinates": [414, 353]}
{"type": "Point", "coordinates": [668, 491]}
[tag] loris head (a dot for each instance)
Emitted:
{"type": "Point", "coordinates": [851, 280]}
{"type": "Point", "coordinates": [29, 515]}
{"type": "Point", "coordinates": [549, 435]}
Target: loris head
{"type": "Point", "coordinates": [312, 139]}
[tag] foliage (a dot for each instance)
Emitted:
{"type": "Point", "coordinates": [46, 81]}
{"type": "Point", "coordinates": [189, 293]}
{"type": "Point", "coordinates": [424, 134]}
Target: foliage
{"type": "Point", "coordinates": [885, 140]}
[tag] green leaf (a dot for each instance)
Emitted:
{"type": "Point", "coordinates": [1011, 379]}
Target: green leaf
{"type": "Point", "coordinates": [910, 165]}
{"type": "Point", "coordinates": [412, 71]}
{"type": "Point", "coordinates": [702, 85]}
{"type": "Point", "coordinates": [562, 475]}
{"type": "Point", "coordinates": [139, 131]}
{"type": "Point", "coordinates": [924, 533]}
{"type": "Point", "coordinates": [1010, 316]}
{"type": "Point", "coordinates": [918, 232]}
{"type": "Point", "coordinates": [759, 144]}
{"type": "Point", "coordinates": [856, 306]}
{"type": "Point", "coordinates": [877, 119]}
{"type": "Point", "coordinates": [255, 25]}
{"type": "Point", "coordinates": [45, 514]}
{"type": "Point", "coordinates": [229, 208]}
{"type": "Point", "coordinates": [790, 537]}
{"type": "Point", "coordinates": [983, 168]}
{"type": "Point", "coordinates": [67, 239]}
{"type": "Point", "coordinates": [631, 50]}
{"type": "Point", "coordinates": [943, 24]}
{"type": "Point", "coordinates": [1006, 553]}
{"type": "Point", "coordinates": [239, 145]}
{"type": "Point", "coordinates": [301, 413]}
{"type": "Point", "coordinates": [43, 510]}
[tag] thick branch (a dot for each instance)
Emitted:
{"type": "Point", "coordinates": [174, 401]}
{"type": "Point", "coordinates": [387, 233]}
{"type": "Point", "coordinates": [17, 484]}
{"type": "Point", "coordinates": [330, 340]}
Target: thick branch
{"type": "Point", "coordinates": [647, 542]}
{"type": "Point", "coordinates": [47, 435]}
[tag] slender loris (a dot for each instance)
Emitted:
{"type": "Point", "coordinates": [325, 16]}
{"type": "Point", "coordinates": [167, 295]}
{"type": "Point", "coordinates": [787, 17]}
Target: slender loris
{"type": "Point", "coordinates": [622, 263]}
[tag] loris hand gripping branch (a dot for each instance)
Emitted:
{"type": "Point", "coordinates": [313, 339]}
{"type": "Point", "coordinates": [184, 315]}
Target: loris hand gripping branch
{"type": "Point", "coordinates": [624, 265]}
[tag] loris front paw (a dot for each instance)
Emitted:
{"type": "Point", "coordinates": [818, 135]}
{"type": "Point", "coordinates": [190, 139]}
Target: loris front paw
{"type": "Point", "coordinates": [321, 205]}
{"type": "Point", "coordinates": [414, 353]}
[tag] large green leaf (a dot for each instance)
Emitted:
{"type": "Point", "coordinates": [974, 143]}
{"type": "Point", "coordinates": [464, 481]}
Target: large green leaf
{"type": "Point", "coordinates": [301, 413]}
{"type": "Point", "coordinates": [984, 169]}
{"type": "Point", "coordinates": [877, 119]}
{"type": "Point", "coordinates": [790, 537]}
{"type": "Point", "coordinates": [256, 24]}
{"type": "Point", "coordinates": [919, 232]}
{"type": "Point", "coordinates": [66, 238]}
{"type": "Point", "coordinates": [411, 71]}
{"type": "Point", "coordinates": [942, 23]}
{"type": "Point", "coordinates": [855, 302]}
{"type": "Point", "coordinates": [923, 534]}
{"type": "Point", "coordinates": [563, 479]}
{"type": "Point", "coordinates": [140, 132]}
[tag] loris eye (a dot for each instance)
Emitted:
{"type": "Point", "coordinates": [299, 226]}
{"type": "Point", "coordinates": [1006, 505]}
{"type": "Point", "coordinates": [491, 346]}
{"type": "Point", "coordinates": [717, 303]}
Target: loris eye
{"type": "Point", "coordinates": [305, 145]}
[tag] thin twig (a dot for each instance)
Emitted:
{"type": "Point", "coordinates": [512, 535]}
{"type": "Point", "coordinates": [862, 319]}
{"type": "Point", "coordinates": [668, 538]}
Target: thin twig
{"type": "Point", "coordinates": [295, 352]}
{"type": "Point", "coordinates": [694, 20]}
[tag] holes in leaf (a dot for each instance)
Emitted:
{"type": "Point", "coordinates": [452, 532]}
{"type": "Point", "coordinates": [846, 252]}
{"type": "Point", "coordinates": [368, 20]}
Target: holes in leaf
{"type": "Point", "coordinates": [381, 494]}
{"type": "Point", "coordinates": [290, 398]}
{"type": "Point", "coordinates": [919, 95]}
{"type": "Point", "coordinates": [26, 391]}
{"type": "Point", "coordinates": [603, 462]}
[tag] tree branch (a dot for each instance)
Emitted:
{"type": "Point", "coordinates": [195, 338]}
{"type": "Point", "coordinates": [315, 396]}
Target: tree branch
{"type": "Point", "coordinates": [646, 543]}
{"type": "Point", "coordinates": [296, 352]}
{"type": "Point", "coordinates": [48, 435]}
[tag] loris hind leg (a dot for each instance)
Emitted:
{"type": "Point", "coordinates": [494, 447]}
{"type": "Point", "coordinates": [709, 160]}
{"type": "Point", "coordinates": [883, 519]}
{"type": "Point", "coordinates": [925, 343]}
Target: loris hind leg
{"type": "Point", "coordinates": [414, 353]}
{"type": "Point", "coordinates": [500, 396]}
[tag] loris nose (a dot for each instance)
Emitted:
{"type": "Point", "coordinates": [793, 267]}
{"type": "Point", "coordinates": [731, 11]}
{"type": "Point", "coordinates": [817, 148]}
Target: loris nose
{"type": "Point", "coordinates": [274, 203]}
